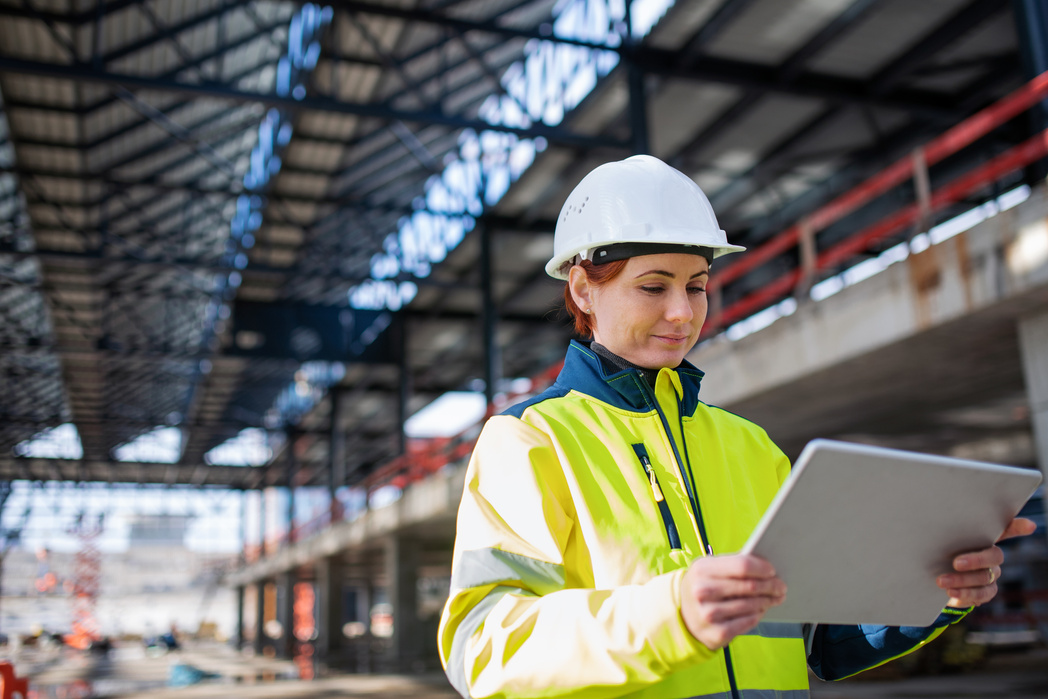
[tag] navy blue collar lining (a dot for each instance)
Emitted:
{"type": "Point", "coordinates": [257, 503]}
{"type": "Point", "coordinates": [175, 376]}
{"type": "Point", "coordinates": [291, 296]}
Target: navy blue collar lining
{"type": "Point", "coordinates": [584, 371]}
{"type": "Point", "coordinates": [587, 373]}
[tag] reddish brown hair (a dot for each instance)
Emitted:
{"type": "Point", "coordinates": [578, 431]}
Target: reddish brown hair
{"type": "Point", "coordinates": [598, 276]}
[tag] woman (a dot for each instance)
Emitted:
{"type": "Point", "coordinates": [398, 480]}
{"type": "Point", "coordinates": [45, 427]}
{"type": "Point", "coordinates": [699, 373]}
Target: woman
{"type": "Point", "coordinates": [588, 554]}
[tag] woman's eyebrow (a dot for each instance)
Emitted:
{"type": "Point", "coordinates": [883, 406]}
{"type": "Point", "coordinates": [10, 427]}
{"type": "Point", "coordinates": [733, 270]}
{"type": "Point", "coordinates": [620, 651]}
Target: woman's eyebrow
{"type": "Point", "coordinates": [671, 275]}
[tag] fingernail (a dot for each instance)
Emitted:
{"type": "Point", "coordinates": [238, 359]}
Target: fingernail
{"type": "Point", "coordinates": [961, 562]}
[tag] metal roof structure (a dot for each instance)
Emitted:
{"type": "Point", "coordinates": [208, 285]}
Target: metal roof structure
{"type": "Point", "coordinates": [191, 193]}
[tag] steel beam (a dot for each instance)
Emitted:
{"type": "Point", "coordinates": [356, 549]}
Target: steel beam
{"type": "Point", "coordinates": [85, 73]}
{"type": "Point", "coordinates": [87, 471]}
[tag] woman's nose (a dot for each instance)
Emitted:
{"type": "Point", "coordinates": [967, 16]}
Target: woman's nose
{"type": "Point", "coordinates": [680, 310]}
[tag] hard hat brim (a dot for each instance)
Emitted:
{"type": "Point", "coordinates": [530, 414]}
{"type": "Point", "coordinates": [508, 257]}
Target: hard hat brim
{"type": "Point", "coordinates": [554, 267]}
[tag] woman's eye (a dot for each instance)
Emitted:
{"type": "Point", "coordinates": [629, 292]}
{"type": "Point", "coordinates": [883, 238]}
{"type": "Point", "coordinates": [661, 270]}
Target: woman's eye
{"type": "Point", "coordinates": [696, 290]}
{"type": "Point", "coordinates": [651, 289]}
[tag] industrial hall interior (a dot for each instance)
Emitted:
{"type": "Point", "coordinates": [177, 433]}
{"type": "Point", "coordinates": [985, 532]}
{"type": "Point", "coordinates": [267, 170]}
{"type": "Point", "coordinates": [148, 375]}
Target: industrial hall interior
{"type": "Point", "coordinates": [266, 268]}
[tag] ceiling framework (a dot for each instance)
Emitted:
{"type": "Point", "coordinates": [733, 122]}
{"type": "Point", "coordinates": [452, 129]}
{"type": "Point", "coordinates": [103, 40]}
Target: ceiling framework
{"type": "Point", "coordinates": [130, 129]}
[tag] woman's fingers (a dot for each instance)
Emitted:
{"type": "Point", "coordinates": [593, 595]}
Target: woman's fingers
{"type": "Point", "coordinates": [971, 596]}
{"type": "Point", "coordinates": [974, 580]}
{"type": "Point", "coordinates": [717, 589]}
{"type": "Point", "coordinates": [1020, 526]}
{"type": "Point", "coordinates": [722, 597]}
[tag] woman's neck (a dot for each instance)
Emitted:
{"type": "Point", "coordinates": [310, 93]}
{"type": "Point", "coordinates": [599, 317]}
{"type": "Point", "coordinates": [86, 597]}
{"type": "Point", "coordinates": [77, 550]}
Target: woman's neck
{"type": "Point", "coordinates": [650, 375]}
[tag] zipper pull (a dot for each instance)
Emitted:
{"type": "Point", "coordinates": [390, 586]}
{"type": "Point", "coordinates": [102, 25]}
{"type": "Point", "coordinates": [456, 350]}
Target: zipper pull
{"type": "Point", "coordinates": [655, 486]}
{"type": "Point", "coordinates": [655, 489]}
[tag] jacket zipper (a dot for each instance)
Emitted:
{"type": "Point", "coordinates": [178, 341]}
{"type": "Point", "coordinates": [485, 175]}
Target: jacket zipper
{"type": "Point", "coordinates": [660, 500]}
{"type": "Point", "coordinates": [693, 497]}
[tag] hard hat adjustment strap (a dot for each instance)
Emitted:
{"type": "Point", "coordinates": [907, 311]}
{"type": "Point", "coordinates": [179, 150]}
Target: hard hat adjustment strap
{"type": "Point", "coordinates": [621, 251]}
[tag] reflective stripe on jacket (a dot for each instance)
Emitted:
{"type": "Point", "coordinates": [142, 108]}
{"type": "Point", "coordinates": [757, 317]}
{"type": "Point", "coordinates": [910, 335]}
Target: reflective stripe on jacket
{"type": "Point", "coordinates": [581, 511]}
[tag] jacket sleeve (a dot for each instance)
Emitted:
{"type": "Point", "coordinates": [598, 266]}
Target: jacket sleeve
{"type": "Point", "coordinates": [839, 651]}
{"type": "Point", "coordinates": [518, 621]}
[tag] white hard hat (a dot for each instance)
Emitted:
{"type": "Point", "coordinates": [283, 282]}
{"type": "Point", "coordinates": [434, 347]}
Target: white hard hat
{"type": "Point", "coordinates": [639, 200]}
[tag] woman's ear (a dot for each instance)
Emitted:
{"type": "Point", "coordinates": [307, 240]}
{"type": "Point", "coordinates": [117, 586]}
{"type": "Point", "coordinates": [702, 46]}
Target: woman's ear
{"type": "Point", "coordinates": [580, 287]}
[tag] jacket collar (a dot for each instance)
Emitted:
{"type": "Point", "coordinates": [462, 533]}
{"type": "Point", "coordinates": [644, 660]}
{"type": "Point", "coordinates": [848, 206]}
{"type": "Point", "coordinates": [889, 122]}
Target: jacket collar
{"type": "Point", "coordinates": [585, 372]}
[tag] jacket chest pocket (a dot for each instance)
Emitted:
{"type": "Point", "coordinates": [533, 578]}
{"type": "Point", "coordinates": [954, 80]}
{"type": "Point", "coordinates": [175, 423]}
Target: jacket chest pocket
{"type": "Point", "coordinates": [657, 495]}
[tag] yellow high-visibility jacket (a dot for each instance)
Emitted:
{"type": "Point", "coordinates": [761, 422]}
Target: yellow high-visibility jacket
{"type": "Point", "coordinates": [582, 509]}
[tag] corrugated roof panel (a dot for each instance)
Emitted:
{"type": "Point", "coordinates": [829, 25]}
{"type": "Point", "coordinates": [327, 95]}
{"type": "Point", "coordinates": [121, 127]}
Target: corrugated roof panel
{"type": "Point", "coordinates": [38, 90]}
{"type": "Point", "coordinates": [176, 12]}
{"type": "Point", "coordinates": [104, 120]}
{"type": "Point", "coordinates": [158, 58]}
{"type": "Point", "coordinates": [31, 40]}
{"type": "Point", "coordinates": [122, 114]}
{"type": "Point", "coordinates": [297, 211]}
{"type": "Point", "coordinates": [992, 39]}
{"type": "Point", "coordinates": [891, 28]}
{"type": "Point", "coordinates": [123, 28]}
{"type": "Point", "coordinates": [359, 83]}
{"type": "Point", "coordinates": [770, 30]}
{"type": "Point", "coordinates": [48, 5]}
{"type": "Point", "coordinates": [188, 159]}
{"type": "Point", "coordinates": [91, 93]}
{"type": "Point", "coordinates": [262, 80]}
{"type": "Point", "coordinates": [467, 100]}
{"type": "Point", "coordinates": [155, 205]}
{"type": "Point", "coordinates": [318, 156]}
{"type": "Point", "coordinates": [56, 239]}
{"type": "Point", "coordinates": [684, 110]}
{"type": "Point", "coordinates": [57, 127]}
{"type": "Point", "coordinates": [152, 135]}
{"type": "Point", "coordinates": [247, 56]}
{"type": "Point", "coordinates": [44, 158]}
{"type": "Point", "coordinates": [761, 128]}
{"type": "Point", "coordinates": [300, 183]}
{"type": "Point", "coordinates": [282, 235]}
{"type": "Point", "coordinates": [525, 14]}
{"type": "Point", "coordinates": [681, 23]}
{"type": "Point", "coordinates": [325, 125]}
{"type": "Point", "coordinates": [60, 187]}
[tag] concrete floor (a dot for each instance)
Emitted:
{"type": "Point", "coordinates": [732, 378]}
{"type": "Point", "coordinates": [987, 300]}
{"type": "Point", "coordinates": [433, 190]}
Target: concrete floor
{"type": "Point", "coordinates": [132, 673]}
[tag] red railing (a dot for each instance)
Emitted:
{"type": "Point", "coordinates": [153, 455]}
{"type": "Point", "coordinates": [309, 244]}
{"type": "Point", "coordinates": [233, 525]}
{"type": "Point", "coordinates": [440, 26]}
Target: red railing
{"type": "Point", "coordinates": [422, 458]}
{"type": "Point", "coordinates": [425, 458]}
{"type": "Point", "coordinates": [961, 135]}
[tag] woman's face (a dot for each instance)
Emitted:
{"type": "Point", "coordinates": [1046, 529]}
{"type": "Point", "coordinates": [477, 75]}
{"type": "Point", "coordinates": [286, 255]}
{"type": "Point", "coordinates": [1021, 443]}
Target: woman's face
{"type": "Point", "coordinates": [651, 313]}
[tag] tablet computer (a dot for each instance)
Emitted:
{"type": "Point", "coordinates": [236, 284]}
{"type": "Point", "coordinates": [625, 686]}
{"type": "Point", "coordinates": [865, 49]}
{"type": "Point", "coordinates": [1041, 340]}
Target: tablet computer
{"type": "Point", "coordinates": [860, 533]}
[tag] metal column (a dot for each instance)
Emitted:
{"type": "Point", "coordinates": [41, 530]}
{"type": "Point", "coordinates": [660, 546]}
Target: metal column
{"type": "Point", "coordinates": [1033, 345]}
{"type": "Point", "coordinates": [330, 574]}
{"type": "Point", "coordinates": [402, 567]}
{"type": "Point", "coordinates": [262, 523]}
{"type": "Point", "coordinates": [260, 617]}
{"type": "Point", "coordinates": [638, 98]}
{"type": "Point", "coordinates": [243, 526]}
{"type": "Point", "coordinates": [239, 631]}
{"type": "Point", "coordinates": [286, 614]}
{"type": "Point", "coordinates": [292, 468]}
{"type": "Point", "coordinates": [1031, 25]}
{"type": "Point", "coordinates": [400, 332]}
{"type": "Point", "coordinates": [337, 471]}
{"type": "Point", "coordinates": [489, 315]}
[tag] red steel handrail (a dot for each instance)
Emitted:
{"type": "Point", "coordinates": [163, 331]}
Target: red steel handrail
{"type": "Point", "coordinates": [953, 140]}
{"type": "Point", "coordinates": [1009, 161]}
{"type": "Point", "coordinates": [423, 458]}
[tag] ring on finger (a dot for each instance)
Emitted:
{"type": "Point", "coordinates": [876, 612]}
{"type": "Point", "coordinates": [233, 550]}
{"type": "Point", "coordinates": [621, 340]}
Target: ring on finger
{"type": "Point", "coordinates": [993, 577]}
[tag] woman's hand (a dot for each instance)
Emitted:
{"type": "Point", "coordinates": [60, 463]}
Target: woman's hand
{"type": "Point", "coordinates": [975, 579]}
{"type": "Point", "coordinates": [724, 596]}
